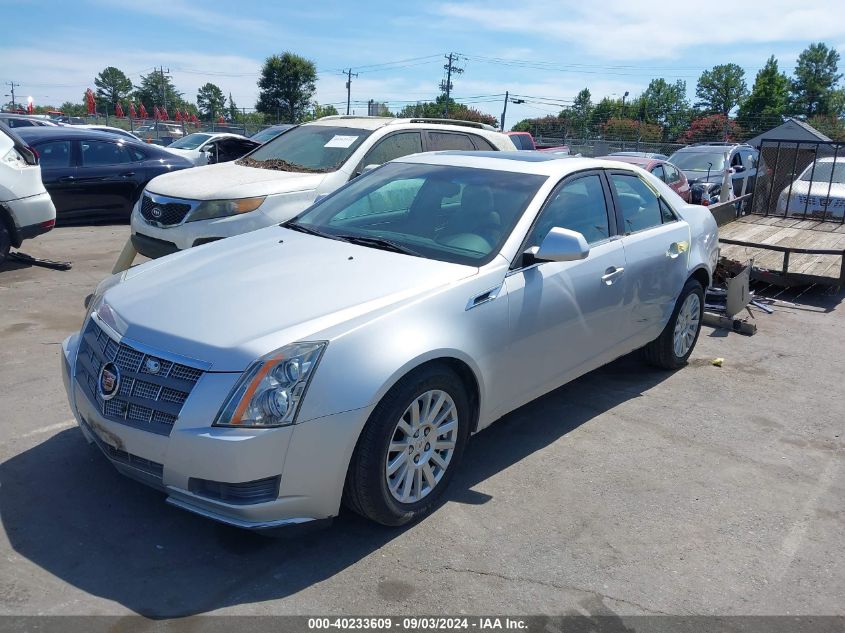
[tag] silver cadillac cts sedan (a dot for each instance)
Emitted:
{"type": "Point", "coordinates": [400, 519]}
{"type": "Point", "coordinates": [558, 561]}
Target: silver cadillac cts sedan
{"type": "Point", "coordinates": [347, 355]}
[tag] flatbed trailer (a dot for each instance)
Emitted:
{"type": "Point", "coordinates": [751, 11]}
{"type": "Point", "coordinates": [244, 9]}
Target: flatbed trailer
{"type": "Point", "coordinates": [785, 251]}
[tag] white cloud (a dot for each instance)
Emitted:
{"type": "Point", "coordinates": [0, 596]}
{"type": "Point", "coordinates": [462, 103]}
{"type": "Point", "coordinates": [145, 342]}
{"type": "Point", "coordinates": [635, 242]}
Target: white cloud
{"type": "Point", "coordinates": [636, 30]}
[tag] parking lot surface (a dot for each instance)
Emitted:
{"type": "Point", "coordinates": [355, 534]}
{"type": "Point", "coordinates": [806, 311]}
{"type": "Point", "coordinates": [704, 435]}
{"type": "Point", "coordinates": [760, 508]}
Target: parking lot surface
{"type": "Point", "coordinates": [711, 490]}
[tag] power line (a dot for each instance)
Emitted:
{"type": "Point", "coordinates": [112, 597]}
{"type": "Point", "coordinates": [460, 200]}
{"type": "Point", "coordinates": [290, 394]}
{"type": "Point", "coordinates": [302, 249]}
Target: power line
{"type": "Point", "coordinates": [13, 85]}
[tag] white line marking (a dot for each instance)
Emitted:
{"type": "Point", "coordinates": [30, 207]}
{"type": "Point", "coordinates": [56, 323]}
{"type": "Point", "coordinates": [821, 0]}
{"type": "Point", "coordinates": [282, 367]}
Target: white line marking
{"type": "Point", "coordinates": [48, 429]}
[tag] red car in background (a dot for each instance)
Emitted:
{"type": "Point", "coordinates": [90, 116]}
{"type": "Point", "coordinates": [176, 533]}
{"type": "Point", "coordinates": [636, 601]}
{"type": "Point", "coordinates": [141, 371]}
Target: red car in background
{"type": "Point", "coordinates": [663, 169]}
{"type": "Point", "coordinates": [524, 140]}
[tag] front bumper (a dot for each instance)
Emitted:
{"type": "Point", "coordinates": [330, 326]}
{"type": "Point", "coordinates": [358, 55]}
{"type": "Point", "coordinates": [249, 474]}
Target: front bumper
{"type": "Point", "coordinates": [155, 241]}
{"type": "Point", "coordinates": [308, 460]}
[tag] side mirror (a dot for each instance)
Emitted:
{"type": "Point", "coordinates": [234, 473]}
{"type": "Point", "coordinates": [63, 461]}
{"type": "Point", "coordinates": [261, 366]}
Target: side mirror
{"type": "Point", "coordinates": [560, 245]}
{"type": "Point", "coordinates": [364, 170]}
{"type": "Point", "coordinates": [738, 169]}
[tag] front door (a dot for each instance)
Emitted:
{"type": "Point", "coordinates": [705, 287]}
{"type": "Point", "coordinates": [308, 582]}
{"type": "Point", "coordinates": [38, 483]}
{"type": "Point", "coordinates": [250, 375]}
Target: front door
{"type": "Point", "coordinates": [563, 316]}
{"type": "Point", "coordinates": [107, 179]}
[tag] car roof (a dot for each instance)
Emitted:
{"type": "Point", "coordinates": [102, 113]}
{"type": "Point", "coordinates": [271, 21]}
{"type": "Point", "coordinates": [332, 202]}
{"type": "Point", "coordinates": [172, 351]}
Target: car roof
{"type": "Point", "coordinates": [706, 147]}
{"type": "Point", "coordinates": [376, 122]}
{"type": "Point", "coordinates": [642, 161]}
{"type": "Point", "coordinates": [32, 134]}
{"type": "Point", "coordinates": [521, 161]}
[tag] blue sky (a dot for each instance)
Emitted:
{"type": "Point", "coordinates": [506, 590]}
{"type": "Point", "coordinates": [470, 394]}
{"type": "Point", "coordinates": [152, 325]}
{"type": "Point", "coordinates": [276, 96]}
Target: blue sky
{"type": "Point", "coordinates": [544, 50]}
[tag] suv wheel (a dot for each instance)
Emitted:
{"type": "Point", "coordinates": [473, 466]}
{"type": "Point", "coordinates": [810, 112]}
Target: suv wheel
{"type": "Point", "coordinates": [5, 241]}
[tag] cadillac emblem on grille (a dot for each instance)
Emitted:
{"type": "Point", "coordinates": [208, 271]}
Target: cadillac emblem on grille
{"type": "Point", "coordinates": [156, 212]}
{"type": "Point", "coordinates": [108, 383]}
{"type": "Point", "coordinates": [152, 365]}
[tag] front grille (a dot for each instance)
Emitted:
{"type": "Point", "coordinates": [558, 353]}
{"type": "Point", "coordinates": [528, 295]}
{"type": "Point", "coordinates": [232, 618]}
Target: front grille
{"type": "Point", "coordinates": [243, 493]}
{"type": "Point", "coordinates": [147, 401]}
{"type": "Point", "coordinates": [171, 212]}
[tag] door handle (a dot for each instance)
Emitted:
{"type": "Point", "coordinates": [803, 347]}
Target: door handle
{"type": "Point", "coordinates": [611, 274]}
{"type": "Point", "coordinates": [67, 179]}
{"type": "Point", "coordinates": [128, 174]}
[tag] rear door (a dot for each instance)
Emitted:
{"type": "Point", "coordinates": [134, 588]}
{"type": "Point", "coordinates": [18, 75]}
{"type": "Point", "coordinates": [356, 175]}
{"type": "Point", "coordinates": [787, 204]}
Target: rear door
{"type": "Point", "coordinates": [656, 243]}
{"type": "Point", "coordinates": [108, 179]}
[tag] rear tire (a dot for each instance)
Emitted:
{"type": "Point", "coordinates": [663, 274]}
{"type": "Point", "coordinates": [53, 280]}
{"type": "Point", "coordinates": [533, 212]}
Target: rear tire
{"type": "Point", "coordinates": [673, 347]}
{"type": "Point", "coordinates": [5, 241]}
{"type": "Point", "coordinates": [409, 448]}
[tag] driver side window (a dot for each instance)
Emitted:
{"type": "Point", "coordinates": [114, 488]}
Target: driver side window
{"type": "Point", "coordinates": [393, 146]}
{"type": "Point", "coordinates": [579, 205]}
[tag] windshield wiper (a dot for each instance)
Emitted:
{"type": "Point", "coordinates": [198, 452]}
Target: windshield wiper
{"type": "Point", "coordinates": [379, 242]}
{"type": "Point", "coordinates": [304, 228]}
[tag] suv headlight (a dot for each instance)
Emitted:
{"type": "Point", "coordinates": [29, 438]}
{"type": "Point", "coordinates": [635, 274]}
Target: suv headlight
{"type": "Point", "coordinates": [222, 208]}
{"type": "Point", "coordinates": [93, 301]}
{"type": "Point", "coordinates": [271, 389]}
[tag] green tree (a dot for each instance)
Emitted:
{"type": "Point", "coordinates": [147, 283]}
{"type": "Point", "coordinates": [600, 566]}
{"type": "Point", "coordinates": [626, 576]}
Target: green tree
{"type": "Point", "coordinates": [112, 86]}
{"type": "Point", "coordinates": [286, 86]}
{"type": "Point", "coordinates": [721, 89]}
{"type": "Point", "coordinates": [210, 101]}
{"type": "Point", "coordinates": [816, 76]}
{"type": "Point", "coordinates": [605, 110]}
{"type": "Point", "coordinates": [768, 101]}
{"type": "Point", "coordinates": [234, 113]}
{"type": "Point", "coordinates": [457, 111]}
{"type": "Point", "coordinates": [632, 130]}
{"type": "Point", "coordinates": [154, 89]}
{"type": "Point", "coordinates": [831, 126]}
{"type": "Point", "coordinates": [666, 105]}
{"type": "Point", "coordinates": [579, 112]}
{"type": "Point", "coordinates": [73, 109]}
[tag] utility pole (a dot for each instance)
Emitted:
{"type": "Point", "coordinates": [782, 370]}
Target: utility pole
{"type": "Point", "coordinates": [349, 76]}
{"type": "Point", "coordinates": [505, 109]}
{"type": "Point", "coordinates": [446, 86]}
{"type": "Point", "coordinates": [13, 85]}
{"type": "Point", "coordinates": [163, 87]}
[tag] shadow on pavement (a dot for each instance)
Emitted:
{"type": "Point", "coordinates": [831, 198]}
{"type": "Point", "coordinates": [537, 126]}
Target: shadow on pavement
{"type": "Point", "coordinates": [67, 510]}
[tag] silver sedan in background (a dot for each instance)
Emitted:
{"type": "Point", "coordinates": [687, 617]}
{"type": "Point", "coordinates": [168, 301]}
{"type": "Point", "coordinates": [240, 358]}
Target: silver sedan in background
{"type": "Point", "coordinates": [349, 354]}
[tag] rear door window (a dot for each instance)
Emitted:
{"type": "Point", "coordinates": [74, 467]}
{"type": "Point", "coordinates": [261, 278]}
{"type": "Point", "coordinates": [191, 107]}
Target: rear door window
{"type": "Point", "coordinates": [96, 153]}
{"type": "Point", "coordinates": [639, 204]}
{"type": "Point", "coordinates": [439, 141]}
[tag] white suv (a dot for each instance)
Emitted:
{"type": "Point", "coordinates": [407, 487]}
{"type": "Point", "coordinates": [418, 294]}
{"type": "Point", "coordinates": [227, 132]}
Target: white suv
{"type": "Point", "coordinates": [283, 177]}
{"type": "Point", "coordinates": [26, 209]}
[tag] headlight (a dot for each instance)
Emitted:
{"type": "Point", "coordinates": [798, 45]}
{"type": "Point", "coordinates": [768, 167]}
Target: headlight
{"type": "Point", "coordinates": [222, 208]}
{"type": "Point", "coordinates": [92, 301]}
{"type": "Point", "coordinates": [271, 389]}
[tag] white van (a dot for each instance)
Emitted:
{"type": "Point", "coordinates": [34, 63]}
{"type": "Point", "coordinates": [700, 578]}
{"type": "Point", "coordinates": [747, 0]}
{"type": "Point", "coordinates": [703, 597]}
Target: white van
{"type": "Point", "coordinates": [284, 176]}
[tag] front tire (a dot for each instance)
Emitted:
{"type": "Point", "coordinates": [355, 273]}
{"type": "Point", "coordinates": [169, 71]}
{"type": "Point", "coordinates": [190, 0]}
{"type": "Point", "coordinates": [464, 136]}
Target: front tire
{"type": "Point", "coordinates": [409, 447]}
{"type": "Point", "coordinates": [673, 347]}
{"type": "Point", "coordinates": [5, 241]}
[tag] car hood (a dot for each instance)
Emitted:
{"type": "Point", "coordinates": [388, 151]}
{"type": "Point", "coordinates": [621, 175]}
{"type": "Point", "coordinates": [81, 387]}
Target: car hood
{"type": "Point", "coordinates": [229, 180]}
{"type": "Point", "coordinates": [232, 301]}
{"type": "Point", "coordinates": [818, 188]}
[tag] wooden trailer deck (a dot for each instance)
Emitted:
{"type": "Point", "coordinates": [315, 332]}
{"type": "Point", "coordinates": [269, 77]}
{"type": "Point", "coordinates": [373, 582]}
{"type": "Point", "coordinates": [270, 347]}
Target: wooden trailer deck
{"type": "Point", "coordinates": [787, 251]}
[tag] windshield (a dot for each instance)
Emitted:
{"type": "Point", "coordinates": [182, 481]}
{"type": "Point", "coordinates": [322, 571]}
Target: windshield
{"type": "Point", "coordinates": [452, 214]}
{"type": "Point", "coordinates": [192, 141]}
{"type": "Point", "coordinates": [698, 161]}
{"type": "Point", "coordinates": [827, 171]}
{"type": "Point", "coordinates": [315, 148]}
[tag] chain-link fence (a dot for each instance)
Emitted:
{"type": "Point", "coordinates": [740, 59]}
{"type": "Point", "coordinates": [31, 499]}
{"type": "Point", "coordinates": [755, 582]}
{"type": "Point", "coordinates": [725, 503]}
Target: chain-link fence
{"type": "Point", "coordinates": [801, 180]}
{"type": "Point", "coordinates": [165, 132]}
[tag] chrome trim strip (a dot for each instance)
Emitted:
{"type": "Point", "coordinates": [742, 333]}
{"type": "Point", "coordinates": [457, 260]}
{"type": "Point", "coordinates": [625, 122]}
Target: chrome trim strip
{"type": "Point", "coordinates": [491, 293]}
{"type": "Point", "coordinates": [247, 525]}
{"type": "Point", "coordinates": [146, 349]}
